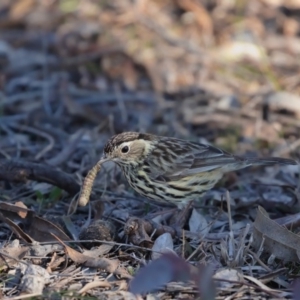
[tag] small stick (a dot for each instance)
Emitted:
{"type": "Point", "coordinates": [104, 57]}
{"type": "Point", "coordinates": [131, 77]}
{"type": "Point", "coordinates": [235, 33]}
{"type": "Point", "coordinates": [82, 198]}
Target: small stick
{"type": "Point", "coordinates": [231, 237]}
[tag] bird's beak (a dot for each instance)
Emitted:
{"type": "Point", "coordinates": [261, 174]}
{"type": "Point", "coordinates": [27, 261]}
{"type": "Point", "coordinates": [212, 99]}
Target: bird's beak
{"type": "Point", "coordinates": [104, 159]}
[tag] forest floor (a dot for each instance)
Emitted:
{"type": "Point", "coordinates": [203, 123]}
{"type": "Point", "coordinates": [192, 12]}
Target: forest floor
{"type": "Point", "coordinates": [75, 72]}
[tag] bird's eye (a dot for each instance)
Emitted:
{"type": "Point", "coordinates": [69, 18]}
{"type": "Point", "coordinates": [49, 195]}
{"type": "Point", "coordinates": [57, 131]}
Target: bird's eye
{"type": "Point", "coordinates": [125, 149]}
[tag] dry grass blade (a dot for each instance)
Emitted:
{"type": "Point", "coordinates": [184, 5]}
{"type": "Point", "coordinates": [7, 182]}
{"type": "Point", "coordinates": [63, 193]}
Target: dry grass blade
{"type": "Point", "coordinates": [94, 284]}
{"type": "Point", "coordinates": [28, 296]}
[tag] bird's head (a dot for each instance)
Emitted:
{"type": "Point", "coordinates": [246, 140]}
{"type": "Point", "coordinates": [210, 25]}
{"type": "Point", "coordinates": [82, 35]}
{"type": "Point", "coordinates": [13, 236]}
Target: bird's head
{"type": "Point", "coordinates": [128, 148]}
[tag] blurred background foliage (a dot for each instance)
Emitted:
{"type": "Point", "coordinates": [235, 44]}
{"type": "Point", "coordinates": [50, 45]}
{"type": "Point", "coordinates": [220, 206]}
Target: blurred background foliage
{"type": "Point", "coordinates": [223, 70]}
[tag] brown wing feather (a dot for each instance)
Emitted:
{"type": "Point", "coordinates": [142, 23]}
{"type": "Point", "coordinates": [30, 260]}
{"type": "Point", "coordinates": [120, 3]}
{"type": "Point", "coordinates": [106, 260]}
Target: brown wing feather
{"type": "Point", "coordinates": [172, 159]}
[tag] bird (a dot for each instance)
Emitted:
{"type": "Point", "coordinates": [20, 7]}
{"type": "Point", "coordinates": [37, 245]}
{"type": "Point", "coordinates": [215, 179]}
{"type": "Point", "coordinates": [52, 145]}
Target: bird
{"type": "Point", "coordinates": [171, 170]}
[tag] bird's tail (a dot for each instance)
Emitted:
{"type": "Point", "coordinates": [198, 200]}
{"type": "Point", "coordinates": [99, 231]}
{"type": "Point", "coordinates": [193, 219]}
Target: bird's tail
{"type": "Point", "coordinates": [270, 161]}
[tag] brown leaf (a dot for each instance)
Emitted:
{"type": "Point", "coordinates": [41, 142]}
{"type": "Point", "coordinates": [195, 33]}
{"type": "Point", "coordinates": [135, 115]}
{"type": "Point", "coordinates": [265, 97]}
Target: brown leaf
{"type": "Point", "coordinates": [279, 241]}
{"type": "Point", "coordinates": [41, 230]}
{"type": "Point", "coordinates": [12, 252]}
{"type": "Point", "coordinates": [16, 230]}
{"type": "Point", "coordinates": [163, 243]}
{"type": "Point", "coordinates": [21, 8]}
{"type": "Point", "coordinates": [98, 251]}
{"type": "Point", "coordinates": [22, 214]}
{"type": "Point", "coordinates": [34, 228]}
{"type": "Point", "coordinates": [111, 266]}
{"type": "Point", "coordinates": [15, 211]}
{"type": "Point", "coordinates": [202, 16]}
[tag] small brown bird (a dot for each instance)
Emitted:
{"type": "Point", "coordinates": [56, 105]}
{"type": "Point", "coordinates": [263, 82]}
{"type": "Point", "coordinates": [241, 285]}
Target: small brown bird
{"type": "Point", "coordinates": [172, 170]}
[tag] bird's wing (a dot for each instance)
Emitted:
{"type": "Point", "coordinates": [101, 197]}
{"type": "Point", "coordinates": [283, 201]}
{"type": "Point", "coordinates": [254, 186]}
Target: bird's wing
{"type": "Point", "coordinates": [171, 160]}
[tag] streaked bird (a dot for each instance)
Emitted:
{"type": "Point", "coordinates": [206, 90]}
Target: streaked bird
{"type": "Point", "coordinates": [172, 170]}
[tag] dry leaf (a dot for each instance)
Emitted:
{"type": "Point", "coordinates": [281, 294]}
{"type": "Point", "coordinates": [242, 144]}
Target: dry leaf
{"type": "Point", "coordinates": [16, 230]}
{"type": "Point", "coordinates": [228, 274]}
{"type": "Point", "coordinates": [13, 252]}
{"type": "Point", "coordinates": [15, 211]}
{"type": "Point", "coordinates": [110, 265]}
{"type": "Point", "coordinates": [22, 214]}
{"type": "Point", "coordinates": [284, 101]}
{"type": "Point", "coordinates": [279, 241]}
{"type": "Point", "coordinates": [198, 224]}
{"type": "Point", "coordinates": [34, 228]}
{"type": "Point", "coordinates": [41, 229]}
{"type": "Point", "coordinates": [164, 243]}
{"type": "Point", "coordinates": [98, 251]}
